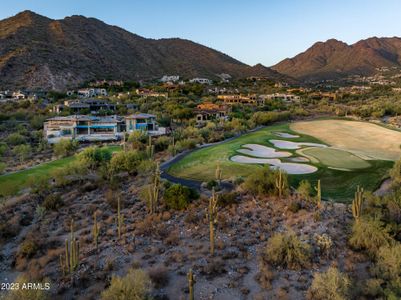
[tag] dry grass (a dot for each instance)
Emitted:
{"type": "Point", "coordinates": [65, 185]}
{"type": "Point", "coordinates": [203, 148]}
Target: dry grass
{"type": "Point", "coordinates": [361, 138]}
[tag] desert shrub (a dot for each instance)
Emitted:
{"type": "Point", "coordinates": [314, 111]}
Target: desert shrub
{"type": "Point", "coordinates": [38, 185]}
{"type": "Point", "coordinates": [324, 243]}
{"type": "Point", "coordinates": [3, 148]}
{"type": "Point", "coordinates": [265, 118]}
{"type": "Point", "coordinates": [226, 199]}
{"type": "Point", "coordinates": [159, 277]}
{"type": "Point", "coordinates": [52, 202]}
{"type": "Point", "coordinates": [31, 294]}
{"type": "Point", "coordinates": [23, 151]}
{"type": "Point", "coordinates": [261, 182]}
{"type": "Point", "coordinates": [28, 248]}
{"type": "Point", "coordinates": [162, 143]}
{"type": "Point", "coordinates": [304, 190]}
{"type": "Point", "coordinates": [15, 139]}
{"type": "Point", "coordinates": [112, 198]}
{"type": "Point", "coordinates": [178, 196]}
{"type": "Point", "coordinates": [287, 250]}
{"type": "Point", "coordinates": [2, 167]}
{"type": "Point", "coordinates": [126, 161]}
{"type": "Point", "coordinates": [294, 206]}
{"type": "Point", "coordinates": [136, 285]}
{"type": "Point", "coordinates": [369, 235]}
{"type": "Point", "coordinates": [329, 285]}
{"type": "Point", "coordinates": [388, 266]}
{"type": "Point", "coordinates": [65, 148]}
{"type": "Point", "coordinates": [395, 173]}
{"type": "Point", "coordinates": [211, 184]}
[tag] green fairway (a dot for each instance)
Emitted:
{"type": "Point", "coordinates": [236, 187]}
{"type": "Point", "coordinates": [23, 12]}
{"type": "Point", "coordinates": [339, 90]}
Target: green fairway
{"type": "Point", "coordinates": [337, 158]}
{"type": "Point", "coordinates": [12, 183]}
{"type": "Point", "coordinates": [339, 185]}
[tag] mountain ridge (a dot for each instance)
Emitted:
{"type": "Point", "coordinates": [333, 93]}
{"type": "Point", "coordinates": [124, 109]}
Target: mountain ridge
{"type": "Point", "coordinates": [335, 59]}
{"type": "Point", "coordinates": [37, 52]}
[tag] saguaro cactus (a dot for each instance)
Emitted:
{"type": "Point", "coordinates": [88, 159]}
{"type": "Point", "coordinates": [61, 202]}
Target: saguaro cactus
{"type": "Point", "coordinates": [212, 218]}
{"type": "Point", "coordinates": [280, 184]}
{"type": "Point", "coordinates": [153, 191]}
{"type": "Point", "coordinates": [71, 259]}
{"type": "Point", "coordinates": [218, 173]}
{"type": "Point", "coordinates": [150, 149]}
{"type": "Point", "coordinates": [119, 218]}
{"type": "Point", "coordinates": [318, 189]}
{"type": "Point", "coordinates": [357, 203]}
{"type": "Point", "coordinates": [191, 284]}
{"type": "Point", "coordinates": [95, 230]}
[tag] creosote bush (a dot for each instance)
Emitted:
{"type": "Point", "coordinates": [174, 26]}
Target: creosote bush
{"type": "Point", "coordinates": [287, 250]}
{"type": "Point", "coordinates": [178, 196]}
{"type": "Point", "coordinates": [329, 285]}
{"type": "Point", "coordinates": [52, 202]}
{"type": "Point", "coordinates": [369, 235]}
{"type": "Point", "coordinates": [136, 285]}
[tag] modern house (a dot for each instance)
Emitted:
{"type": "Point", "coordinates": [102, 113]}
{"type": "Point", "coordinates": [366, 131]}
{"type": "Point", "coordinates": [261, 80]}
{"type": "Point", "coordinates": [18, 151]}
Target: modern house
{"type": "Point", "coordinates": [92, 105]}
{"type": "Point", "coordinates": [284, 97]}
{"type": "Point", "coordinates": [83, 128]}
{"type": "Point", "coordinates": [144, 93]}
{"type": "Point", "coordinates": [92, 92]}
{"type": "Point", "coordinates": [170, 78]}
{"type": "Point", "coordinates": [200, 80]}
{"type": "Point", "coordinates": [94, 128]}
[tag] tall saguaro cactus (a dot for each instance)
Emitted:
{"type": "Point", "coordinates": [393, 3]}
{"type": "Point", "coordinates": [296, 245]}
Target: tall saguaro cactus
{"type": "Point", "coordinates": [318, 190]}
{"type": "Point", "coordinates": [191, 284]}
{"type": "Point", "coordinates": [280, 184]}
{"type": "Point", "coordinates": [119, 218]}
{"type": "Point", "coordinates": [357, 203]}
{"type": "Point", "coordinates": [218, 173]}
{"type": "Point", "coordinates": [150, 149]}
{"type": "Point", "coordinates": [212, 218]}
{"type": "Point", "coordinates": [71, 259]}
{"type": "Point", "coordinates": [95, 230]}
{"type": "Point", "coordinates": [153, 191]}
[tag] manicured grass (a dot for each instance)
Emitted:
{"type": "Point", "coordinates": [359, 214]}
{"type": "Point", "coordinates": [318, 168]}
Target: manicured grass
{"type": "Point", "coordinates": [338, 185]}
{"type": "Point", "coordinates": [337, 158]}
{"type": "Point", "coordinates": [13, 183]}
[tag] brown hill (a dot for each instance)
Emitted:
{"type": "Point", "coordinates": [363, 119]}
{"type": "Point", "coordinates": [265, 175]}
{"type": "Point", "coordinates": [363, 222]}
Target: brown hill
{"type": "Point", "coordinates": [38, 52]}
{"type": "Point", "coordinates": [334, 59]}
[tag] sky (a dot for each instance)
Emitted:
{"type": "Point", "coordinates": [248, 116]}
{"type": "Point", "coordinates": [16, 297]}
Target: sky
{"type": "Point", "coordinates": [252, 31]}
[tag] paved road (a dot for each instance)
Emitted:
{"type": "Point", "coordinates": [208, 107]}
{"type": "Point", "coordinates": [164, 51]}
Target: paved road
{"type": "Point", "coordinates": [189, 182]}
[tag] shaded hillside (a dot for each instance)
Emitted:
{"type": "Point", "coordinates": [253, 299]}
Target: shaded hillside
{"type": "Point", "coordinates": [38, 52]}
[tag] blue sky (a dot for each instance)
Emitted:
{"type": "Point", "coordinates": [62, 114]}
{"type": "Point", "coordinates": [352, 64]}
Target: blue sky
{"type": "Point", "coordinates": [252, 31]}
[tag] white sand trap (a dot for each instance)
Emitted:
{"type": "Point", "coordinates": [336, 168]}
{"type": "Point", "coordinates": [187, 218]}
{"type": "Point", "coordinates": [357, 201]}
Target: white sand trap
{"type": "Point", "coordinates": [293, 145]}
{"type": "Point", "coordinates": [286, 135]}
{"type": "Point", "coordinates": [290, 168]}
{"type": "Point", "coordinates": [262, 151]}
{"type": "Point", "coordinates": [298, 159]}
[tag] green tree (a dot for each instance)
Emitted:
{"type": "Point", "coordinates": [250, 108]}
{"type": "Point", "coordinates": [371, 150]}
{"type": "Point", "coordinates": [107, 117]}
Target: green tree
{"type": "Point", "coordinates": [65, 148]}
{"type": "Point", "coordinates": [304, 190]}
{"type": "Point", "coordinates": [177, 197]}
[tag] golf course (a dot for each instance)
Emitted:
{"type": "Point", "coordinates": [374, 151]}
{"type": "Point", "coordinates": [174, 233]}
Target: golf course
{"type": "Point", "coordinates": [342, 154]}
{"type": "Point", "coordinates": [14, 182]}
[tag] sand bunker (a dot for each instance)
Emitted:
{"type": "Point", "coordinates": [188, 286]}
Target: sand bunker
{"type": "Point", "coordinates": [262, 151]}
{"type": "Point", "coordinates": [286, 135]}
{"type": "Point", "coordinates": [290, 168]}
{"type": "Point", "coordinates": [293, 145]}
{"type": "Point", "coordinates": [298, 159]}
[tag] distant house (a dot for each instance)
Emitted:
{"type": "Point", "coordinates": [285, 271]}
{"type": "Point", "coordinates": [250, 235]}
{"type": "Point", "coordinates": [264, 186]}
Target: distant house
{"type": "Point", "coordinates": [171, 78]}
{"type": "Point", "coordinates": [92, 92]}
{"type": "Point", "coordinates": [283, 97]}
{"type": "Point", "coordinates": [18, 95]}
{"type": "Point", "coordinates": [93, 105]}
{"type": "Point", "coordinates": [209, 111]}
{"type": "Point", "coordinates": [239, 99]}
{"type": "Point", "coordinates": [200, 80]}
{"type": "Point", "coordinates": [144, 93]}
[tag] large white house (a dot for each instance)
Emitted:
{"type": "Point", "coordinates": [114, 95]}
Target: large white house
{"type": "Point", "coordinates": [200, 80]}
{"type": "Point", "coordinates": [170, 78]}
{"type": "Point", "coordinates": [92, 92]}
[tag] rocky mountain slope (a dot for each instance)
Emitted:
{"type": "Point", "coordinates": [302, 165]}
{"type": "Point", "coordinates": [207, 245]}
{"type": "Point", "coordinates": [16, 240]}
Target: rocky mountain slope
{"type": "Point", "coordinates": [38, 52]}
{"type": "Point", "coordinates": [334, 59]}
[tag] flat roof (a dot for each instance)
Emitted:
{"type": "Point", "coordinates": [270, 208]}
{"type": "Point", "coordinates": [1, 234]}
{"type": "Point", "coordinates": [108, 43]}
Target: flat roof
{"type": "Point", "coordinates": [140, 116]}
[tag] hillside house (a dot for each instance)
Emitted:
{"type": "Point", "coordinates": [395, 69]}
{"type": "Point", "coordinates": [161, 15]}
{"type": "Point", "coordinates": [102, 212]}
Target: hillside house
{"type": "Point", "coordinates": [284, 97]}
{"type": "Point", "coordinates": [144, 93]}
{"type": "Point", "coordinates": [170, 78]}
{"type": "Point", "coordinates": [209, 111]}
{"type": "Point", "coordinates": [239, 99]}
{"type": "Point", "coordinates": [92, 92]}
{"type": "Point", "coordinates": [143, 122]}
{"type": "Point", "coordinates": [91, 105]}
{"type": "Point", "coordinates": [200, 80]}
